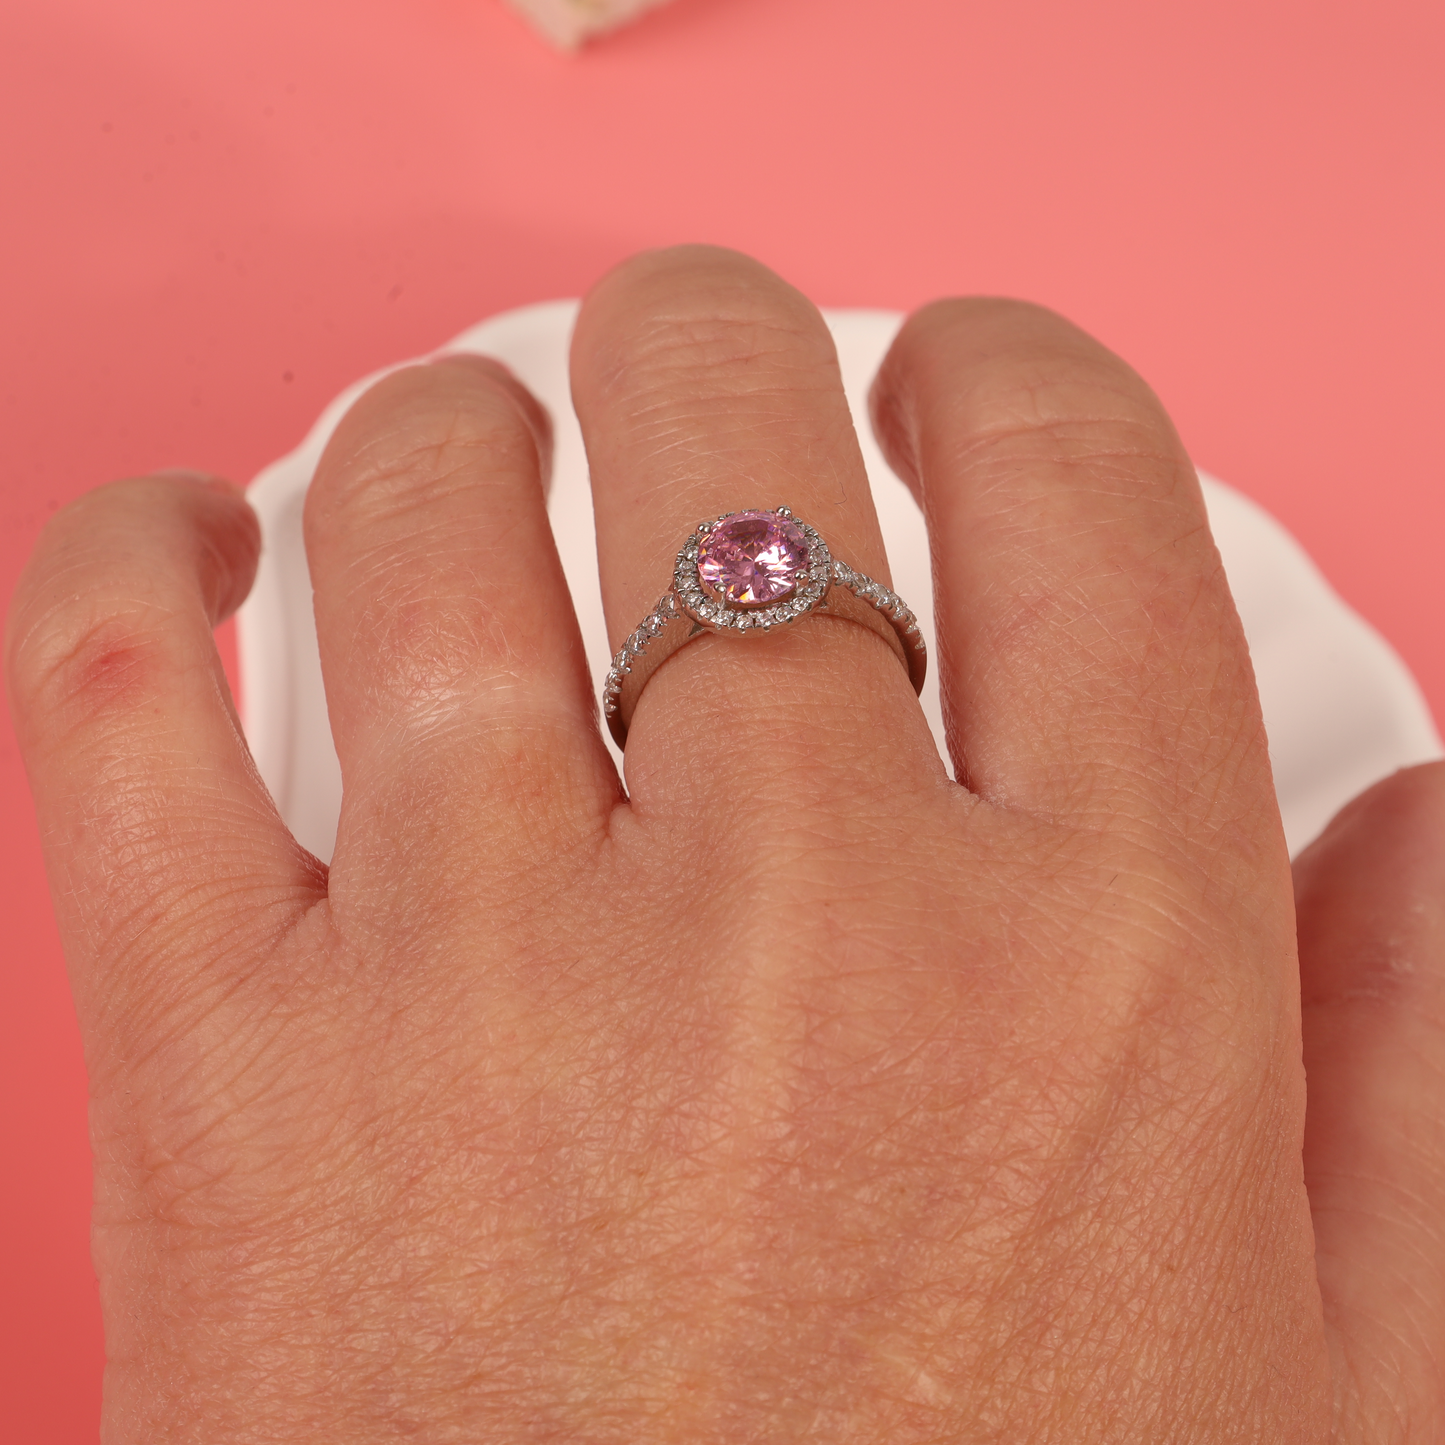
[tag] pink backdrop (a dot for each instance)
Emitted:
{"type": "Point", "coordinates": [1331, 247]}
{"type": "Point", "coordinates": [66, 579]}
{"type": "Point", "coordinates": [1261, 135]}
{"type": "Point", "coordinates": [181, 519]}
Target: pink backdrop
{"type": "Point", "coordinates": [215, 216]}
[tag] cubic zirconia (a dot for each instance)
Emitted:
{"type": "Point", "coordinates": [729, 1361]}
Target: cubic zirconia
{"type": "Point", "coordinates": [752, 559]}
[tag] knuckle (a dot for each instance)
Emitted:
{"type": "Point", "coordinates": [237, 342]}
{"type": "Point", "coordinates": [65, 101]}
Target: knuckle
{"type": "Point", "coordinates": [117, 591]}
{"type": "Point", "coordinates": [84, 656]}
{"type": "Point", "coordinates": [699, 311]}
{"type": "Point", "coordinates": [740, 345]}
{"type": "Point", "coordinates": [416, 446]}
{"type": "Point", "coordinates": [711, 393]}
{"type": "Point", "coordinates": [425, 650]}
{"type": "Point", "coordinates": [1012, 367]}
{"type": "Point", "coordinates": [1101, 462]}
{"type": "Point", "coordinates": [685, 363]}
{"type": "Point", "coordinates": [991, 389]}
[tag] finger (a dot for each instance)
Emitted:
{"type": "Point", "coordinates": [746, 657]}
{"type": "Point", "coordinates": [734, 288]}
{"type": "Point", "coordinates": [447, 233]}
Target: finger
{"type": "Point", "coordinates": [455, 676]}
{"type": "Point", "coordinates": [1091, 662]}
{"type": "Point", "coordinates": [166, 855]}
{"type": "Point", "coordinates": [1371, 906]}
{"type": "Point", "coordinates": [706, 385]}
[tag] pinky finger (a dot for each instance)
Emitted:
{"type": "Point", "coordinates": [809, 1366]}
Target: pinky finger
{"type": "Point", "coordinates": [1371, 901]}
{"type": "Point", "coordinates": [165, 853]}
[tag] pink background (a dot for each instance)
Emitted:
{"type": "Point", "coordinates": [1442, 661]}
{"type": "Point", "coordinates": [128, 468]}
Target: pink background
{"type": "Point", "coordinates": [214, 216]}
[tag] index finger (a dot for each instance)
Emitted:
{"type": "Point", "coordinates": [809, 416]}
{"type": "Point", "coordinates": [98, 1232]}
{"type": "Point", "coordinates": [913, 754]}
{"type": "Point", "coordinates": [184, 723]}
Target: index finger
{"type": "Point", "coordinates": [166, 854]}
{"type": "Point", "coordinates": [1091, 660]}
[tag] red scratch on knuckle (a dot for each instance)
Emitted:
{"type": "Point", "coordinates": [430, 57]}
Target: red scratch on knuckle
{"type": "Point", "coordinates": [75, 665]}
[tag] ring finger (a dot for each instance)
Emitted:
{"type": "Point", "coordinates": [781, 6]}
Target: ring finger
{"type": "Point", "coordinates": [705, 385]}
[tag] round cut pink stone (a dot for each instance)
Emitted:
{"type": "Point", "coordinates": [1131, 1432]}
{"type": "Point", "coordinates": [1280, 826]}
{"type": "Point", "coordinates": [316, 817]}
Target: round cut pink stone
{"type": "Point", "coordinates": [752, 559]}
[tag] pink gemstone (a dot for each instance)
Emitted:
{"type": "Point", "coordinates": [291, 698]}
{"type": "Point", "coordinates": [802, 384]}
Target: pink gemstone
{"type": "Point", "coordinates": [752, 559]}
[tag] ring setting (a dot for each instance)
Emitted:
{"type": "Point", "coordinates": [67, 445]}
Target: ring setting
{"type": "Point", "coordinates": [751, 569]}
{"type": "Point", "coordinates": [750, 572]}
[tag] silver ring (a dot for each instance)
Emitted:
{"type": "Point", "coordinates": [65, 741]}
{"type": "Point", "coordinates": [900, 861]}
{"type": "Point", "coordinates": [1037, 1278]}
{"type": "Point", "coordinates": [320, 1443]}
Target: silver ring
{"type": "Point", "coordinates": [746, 573]}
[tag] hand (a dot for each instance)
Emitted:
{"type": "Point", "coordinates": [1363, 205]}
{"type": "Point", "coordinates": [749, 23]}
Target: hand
{"type": "Point", "coordinates": [798, 1093]}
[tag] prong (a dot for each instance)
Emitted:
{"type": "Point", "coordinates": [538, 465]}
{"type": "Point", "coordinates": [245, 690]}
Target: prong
{"type": "Point", "coordinates": [785, 511]}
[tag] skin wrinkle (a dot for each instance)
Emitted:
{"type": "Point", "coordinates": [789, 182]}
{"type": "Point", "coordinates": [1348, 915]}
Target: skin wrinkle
{"type": "Point", "coordinates": [909, 1117]}
{"type": "Point", "coordinates": [453, 717]}
{"type": "Point", "coordinates": [164, 1017]}
{"type": "Point", "coordinates": [72, 584]}
{"type": "Point", "coordinates": [1117, 780]}
{"type": "Point", "coordinates": [774, 474]}
{"type": "Point", "coordinates": [387, 624]}
{"type": "Point", "coordinates": [1363, 1377]}
{"type": "Point", "coordinates": [1025, 610]}
{"type": "Point", "coordinates": [1381, 981]}
{"type": "Point", "coordinates": [664, 355]}
{"type": "Point", "coordinates": [1074, 610]}
{"type": "Point", "coordinates": [778, 395]}
{"type": "Point", "coordinates": [991, 473]}
{"type": "Point", "coordinates": [106, 663]}
{"type": "Point", "coordinates": [408, 447]}
{"type": "Point", "coordinates": [71, 596]}
{"type": "Point", "coordinates": [203, 979]}
{"type": "Point", "coordinates": [1384, 1190]}
{"type": "Point", "coordinates": [130, 933]}
{"type": "Point", "coordinates": [770, 412]}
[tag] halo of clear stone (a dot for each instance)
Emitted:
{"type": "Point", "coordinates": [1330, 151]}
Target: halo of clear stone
{"type": "Point", "coordinates": [652, 626]}
{"type": "Point", "coordinates": [883, 598]}
{"type": "Point", "coordinates": [719, 616]}
{"type": "Point", "coordinates": [687, 598]}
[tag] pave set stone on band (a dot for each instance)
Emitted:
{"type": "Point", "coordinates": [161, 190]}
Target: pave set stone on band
{"type": "Point", "coordinates": [746, 573]}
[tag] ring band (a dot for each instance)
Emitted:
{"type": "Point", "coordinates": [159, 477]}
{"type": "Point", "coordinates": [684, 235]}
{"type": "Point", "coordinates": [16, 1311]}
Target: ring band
{"type": "Point", "coordinates": [745, 573]}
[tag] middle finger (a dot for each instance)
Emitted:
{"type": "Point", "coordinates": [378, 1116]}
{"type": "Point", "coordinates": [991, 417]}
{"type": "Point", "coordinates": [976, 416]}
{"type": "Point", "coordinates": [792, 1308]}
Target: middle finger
{"type": "Point", "coordinates": [706, 385]}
